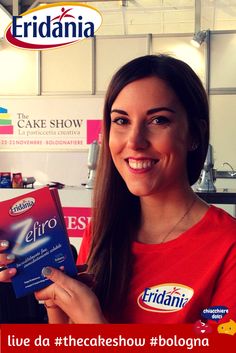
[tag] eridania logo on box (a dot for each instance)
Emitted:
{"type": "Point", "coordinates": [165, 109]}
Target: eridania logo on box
{"type": "Point", "coordinates": [165, 298]}
{"type": "Point", "coordinates": [55, 25]}
{"type": "Point", "coordinates": [22, 206]}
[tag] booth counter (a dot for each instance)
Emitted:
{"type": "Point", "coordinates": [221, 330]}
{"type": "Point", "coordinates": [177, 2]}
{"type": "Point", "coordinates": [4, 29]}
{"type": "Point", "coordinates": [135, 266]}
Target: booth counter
{"type": "Point", "coordinates": [76, 205]}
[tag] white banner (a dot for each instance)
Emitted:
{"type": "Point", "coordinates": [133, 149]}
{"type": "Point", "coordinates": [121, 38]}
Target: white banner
{"type": "Point", "coordinates": [49, 123]}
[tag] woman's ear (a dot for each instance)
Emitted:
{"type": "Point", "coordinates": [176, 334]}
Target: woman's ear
{"type": "Point", "coordinates": [203, 126]}
{"type": "Point", "coordinates": [194, 140]}
{"type": "Point", "coordinates": [192, 143]}
{"type": "Point", "coordinates": [194, 146]}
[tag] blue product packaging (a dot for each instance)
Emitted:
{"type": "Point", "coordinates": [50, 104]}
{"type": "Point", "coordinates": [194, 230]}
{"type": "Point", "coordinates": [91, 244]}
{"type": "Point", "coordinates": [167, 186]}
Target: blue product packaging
{"type": "Point", "coordinates": [5, 180]}
{"type": "Point", "coordinates": [34, 225]}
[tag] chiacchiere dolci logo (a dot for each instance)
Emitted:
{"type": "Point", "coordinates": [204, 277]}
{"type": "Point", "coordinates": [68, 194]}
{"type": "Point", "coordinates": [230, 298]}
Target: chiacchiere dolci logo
{"type": "Point", "coordinates": [51, 26]}
{"type": "Point", "coordinates": [165, 297]}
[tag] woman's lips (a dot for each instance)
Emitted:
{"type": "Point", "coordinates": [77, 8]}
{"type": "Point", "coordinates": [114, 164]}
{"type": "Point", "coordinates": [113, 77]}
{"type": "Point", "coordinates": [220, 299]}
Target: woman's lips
{"type": "Point", "coordinates": [143, 164]}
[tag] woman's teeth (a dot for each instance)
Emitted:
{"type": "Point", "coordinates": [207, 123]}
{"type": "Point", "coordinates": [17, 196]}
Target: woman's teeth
{"type": "Point", "coordinates": [140, 164]}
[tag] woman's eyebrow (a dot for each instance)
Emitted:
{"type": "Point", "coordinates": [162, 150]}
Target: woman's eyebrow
{"type": "Point", "coordinates": [159, 109]}
{"type": "Point", "coordinates": [150, 111]}
{"type": "Point", "coordinates": [119, 111]}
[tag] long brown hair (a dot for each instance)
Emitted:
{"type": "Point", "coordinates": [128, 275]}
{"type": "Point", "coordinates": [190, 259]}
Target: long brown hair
{"type": "Point", "coordinates": [116, 212]}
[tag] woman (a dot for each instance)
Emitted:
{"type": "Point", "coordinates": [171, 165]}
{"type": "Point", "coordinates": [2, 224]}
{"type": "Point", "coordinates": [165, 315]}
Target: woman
{"type": "Point", "coordinates": [157, 252]}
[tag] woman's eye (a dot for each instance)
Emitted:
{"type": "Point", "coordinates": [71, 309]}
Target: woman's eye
{"type": "Point", "coordinates": [120, 121]}
{"type": "Point", "coordinates": [160, 120]}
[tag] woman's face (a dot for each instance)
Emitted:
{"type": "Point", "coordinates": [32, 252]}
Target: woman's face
{"type": "Point", "coordinates": [149, 137]}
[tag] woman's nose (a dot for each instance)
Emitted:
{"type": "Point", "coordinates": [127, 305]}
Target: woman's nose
{"type": "Point", "coordinates": [137, 138]}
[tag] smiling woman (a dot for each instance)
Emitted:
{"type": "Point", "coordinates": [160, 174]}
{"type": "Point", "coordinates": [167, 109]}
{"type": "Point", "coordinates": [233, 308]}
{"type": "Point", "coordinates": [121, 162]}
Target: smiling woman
{"type": "Point", "coordinates": [149, 229]}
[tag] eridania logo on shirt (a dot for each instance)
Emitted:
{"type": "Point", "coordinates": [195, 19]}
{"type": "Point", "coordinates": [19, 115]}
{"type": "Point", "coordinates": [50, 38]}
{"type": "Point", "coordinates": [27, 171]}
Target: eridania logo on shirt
{"type": "Point", "coordinates": [165, 297]}
{"type": "Point", "coordinates": [55, 25]}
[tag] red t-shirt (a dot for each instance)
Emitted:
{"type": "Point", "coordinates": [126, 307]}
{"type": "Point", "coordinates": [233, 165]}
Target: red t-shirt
{"type": "Point", "coordinates": [174, 281]}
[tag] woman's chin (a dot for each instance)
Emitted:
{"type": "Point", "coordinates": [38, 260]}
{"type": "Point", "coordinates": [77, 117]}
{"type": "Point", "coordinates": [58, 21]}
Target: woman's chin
{"type": "Point", "coordinates": [140, 191]}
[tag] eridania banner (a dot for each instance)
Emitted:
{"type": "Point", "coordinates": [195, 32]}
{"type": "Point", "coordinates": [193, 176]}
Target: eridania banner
{"type": "Point", "coordinates": [55, 25]}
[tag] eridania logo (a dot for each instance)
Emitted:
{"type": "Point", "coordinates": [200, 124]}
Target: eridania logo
{"type": "Point", "coordinates": [54, 25]}
{"type": "Point", "coordinates": [22, 206]}
{"type": "Point", "coordinates": [165, 298]}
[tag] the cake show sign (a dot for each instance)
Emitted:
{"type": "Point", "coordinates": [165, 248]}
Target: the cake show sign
{"type": "Point", "coordinates": [35, 128]}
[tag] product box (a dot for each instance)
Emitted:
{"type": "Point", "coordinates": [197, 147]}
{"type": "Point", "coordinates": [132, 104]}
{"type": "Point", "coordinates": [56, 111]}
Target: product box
{"type": "Point", "coordinates": [17, 181]}
{"type": "Point", "coordinates": [34, 225]}
{"type": "Point", "coordinates": [5, 180]}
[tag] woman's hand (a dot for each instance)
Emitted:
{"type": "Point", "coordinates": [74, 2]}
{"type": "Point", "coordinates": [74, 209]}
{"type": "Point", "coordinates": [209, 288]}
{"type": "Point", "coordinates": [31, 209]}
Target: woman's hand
{"type": "Point", "coordinates": [72, 296]}
{"type": "Point", "coordinates": [6, 273]}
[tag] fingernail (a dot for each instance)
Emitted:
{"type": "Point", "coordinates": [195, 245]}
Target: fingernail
{"type": "Point", "coordinates": [4, 243]}
{"type": "Point", "coordinates": [12, 271]}
{"type": "Point", "coordinates": [11, 257]}
{"type": "Point", "coordinates": [46, 271]}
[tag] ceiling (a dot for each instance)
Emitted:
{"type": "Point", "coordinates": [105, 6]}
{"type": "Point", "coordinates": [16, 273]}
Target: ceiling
{"type": "Point", "coordinates": [152, 16]}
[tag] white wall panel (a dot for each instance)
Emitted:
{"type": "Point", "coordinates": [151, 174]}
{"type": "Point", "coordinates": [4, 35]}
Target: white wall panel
{"type": "Point", "coordinates": [181, 48]}
{"type": "Point", "coordinates": [18, 71]}
{"type": "Point", "coordinates": [223, 59]}
{"type": "Point", "coordinates": [111, 53]}
{"type": "Point", "coordinates": [68, 70]}
{"type": "Point", "coordinates": [223, 129]}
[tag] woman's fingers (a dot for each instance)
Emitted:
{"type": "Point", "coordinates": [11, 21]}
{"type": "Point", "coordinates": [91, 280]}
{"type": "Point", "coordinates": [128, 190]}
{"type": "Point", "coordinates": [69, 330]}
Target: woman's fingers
{"type": "Point", "coordinates": [64, 287]}
{"type": "Point", "coordinates": [59, 278]}
{"type": "Point", "coordinates": [60, 290]}
{"type": "Point", "coordinates": [4, 245]}
{"type": "Point", "coordinates": [74, 297]}
{"type": "Point", "coordinates": [53, 292]}
{"type": "Point", "coordinates": [6, 259]}
{"type": "Point", "coordinates": [7, 274]}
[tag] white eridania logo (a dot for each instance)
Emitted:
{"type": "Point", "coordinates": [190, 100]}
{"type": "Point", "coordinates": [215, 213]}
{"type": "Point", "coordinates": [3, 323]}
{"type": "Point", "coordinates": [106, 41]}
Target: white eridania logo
{"type": "Point", "coordinates": [54, 25]}
{"type": "Point", "coordinates": [165, 297]}
{"type": "Point", "coordinates": [22, 206]}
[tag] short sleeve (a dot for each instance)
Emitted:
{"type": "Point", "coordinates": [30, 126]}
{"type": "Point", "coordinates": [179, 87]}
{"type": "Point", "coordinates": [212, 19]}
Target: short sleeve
{"type": "Point", "coordinates": [226, 285]}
